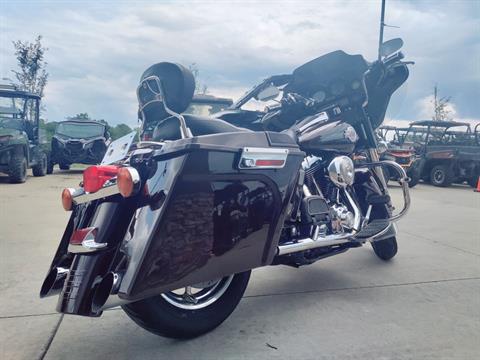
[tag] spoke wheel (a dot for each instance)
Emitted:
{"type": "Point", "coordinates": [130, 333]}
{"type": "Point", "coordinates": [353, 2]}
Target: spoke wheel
{"type": "Point", "coordinates": [199, 295]}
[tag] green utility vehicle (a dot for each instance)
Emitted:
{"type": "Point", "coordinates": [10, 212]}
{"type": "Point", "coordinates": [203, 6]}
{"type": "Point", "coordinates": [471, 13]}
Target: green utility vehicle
{"type": "Point", "coordinates": [21, 146]}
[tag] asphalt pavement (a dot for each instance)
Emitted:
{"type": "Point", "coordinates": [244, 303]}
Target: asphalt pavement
{"type": "Point", "coordinates": [424, 304]}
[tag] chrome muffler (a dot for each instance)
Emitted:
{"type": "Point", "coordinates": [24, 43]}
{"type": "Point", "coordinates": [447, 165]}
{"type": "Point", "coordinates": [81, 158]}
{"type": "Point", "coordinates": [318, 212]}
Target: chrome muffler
{"type": "Point", "coordinates": [106, 293]}
{"type": "Point", "coordinates": [53, 283]}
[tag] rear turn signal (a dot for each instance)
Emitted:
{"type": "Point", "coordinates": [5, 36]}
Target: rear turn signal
{"type": "Point", "coordinates": [128, 181]}
{"type": "Point", "coordinates": [67, 198]}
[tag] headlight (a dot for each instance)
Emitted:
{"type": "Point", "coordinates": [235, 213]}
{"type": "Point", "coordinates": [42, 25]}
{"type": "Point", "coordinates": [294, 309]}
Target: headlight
{"type": "Point", "coordinates": [5, 138]}
{"type": "Point", "coordinates": [342, 171]}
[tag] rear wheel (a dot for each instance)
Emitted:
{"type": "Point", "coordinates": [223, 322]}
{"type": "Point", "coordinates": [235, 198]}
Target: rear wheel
{"type": "Point", "coordinates": [41, 168]}
{"type": "Point", "coordinates": [441, 175]}
{"type": "Point", "coordinates": [18, 168]}
{"type": "Point", "coordinates": [191, 311]}
{"type": "Point", "coordinates": [64, 166]}
{"type": "Point", "coordinates": [385, 249]}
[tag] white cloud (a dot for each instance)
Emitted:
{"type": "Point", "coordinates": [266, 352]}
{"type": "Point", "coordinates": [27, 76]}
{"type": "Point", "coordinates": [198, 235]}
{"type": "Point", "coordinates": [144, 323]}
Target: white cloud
{"type": "Point", "coordinates": [98, 51]}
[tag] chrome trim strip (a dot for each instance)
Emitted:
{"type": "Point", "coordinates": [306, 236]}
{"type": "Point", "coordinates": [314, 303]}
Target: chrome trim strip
{"type": "Point", "coordinates": [110, 188]}
{"type": "Point", "coordinates": [250, 155]}
{"type": "Point", "coordinates": [323, 116]}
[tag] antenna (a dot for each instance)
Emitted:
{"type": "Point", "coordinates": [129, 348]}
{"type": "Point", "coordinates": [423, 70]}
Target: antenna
{"type": "Point", "coordinates": [382, 25]}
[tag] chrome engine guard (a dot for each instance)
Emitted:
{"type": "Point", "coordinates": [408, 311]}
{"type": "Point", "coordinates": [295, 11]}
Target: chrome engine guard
{"type": "Point", "coordinates": [337, 239]}
{"type": "Point", "coordinates": [403, 181]}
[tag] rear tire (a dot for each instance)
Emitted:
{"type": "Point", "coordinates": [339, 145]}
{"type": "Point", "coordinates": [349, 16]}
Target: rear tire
{"type": "Point", "coordinates": [41, 168]}
{"type": "Point", "coordinates": [161, 317]}
{"type": "Point", "coordinates": [385, 249]}
{"type": "Point", "coordinates": [64, 166]}
{"type": "Point", "coordinates": [441, 175]}
{"type": "Point", "coordinates": [18, 169]}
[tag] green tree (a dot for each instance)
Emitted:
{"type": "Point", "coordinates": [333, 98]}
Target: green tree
{"type": "Point", "coordinates": [82, 116]}
{"type": "Point", "coordinates": [32, 75]}
{"type": "Point", "coordinates": [119, 131]}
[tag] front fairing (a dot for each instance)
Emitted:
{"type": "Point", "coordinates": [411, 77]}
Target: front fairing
{"type": "Point", "coordinates": [380, 89]}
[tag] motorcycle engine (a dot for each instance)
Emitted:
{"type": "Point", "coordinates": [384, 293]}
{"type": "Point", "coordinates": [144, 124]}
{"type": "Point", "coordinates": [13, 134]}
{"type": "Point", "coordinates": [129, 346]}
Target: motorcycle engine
{"type": "Point", "coordinates": [342, 218]}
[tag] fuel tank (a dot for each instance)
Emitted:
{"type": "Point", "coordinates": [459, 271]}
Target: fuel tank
{"type": "Point", "coordinates": [316, 137]}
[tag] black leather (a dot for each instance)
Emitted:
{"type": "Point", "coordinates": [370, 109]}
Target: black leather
{"type": "Point", "coordinates": [178, 84]}
{"type": "Point", "coordinates": [169, 129]}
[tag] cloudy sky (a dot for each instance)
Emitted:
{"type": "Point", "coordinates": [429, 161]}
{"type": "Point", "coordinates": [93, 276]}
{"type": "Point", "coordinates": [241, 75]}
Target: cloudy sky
{"type": "Point", "coordinates": [98, 49]}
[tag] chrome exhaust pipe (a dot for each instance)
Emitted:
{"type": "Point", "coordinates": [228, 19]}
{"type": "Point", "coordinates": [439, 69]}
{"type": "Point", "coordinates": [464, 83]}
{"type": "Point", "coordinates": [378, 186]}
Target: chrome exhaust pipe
{"type": "Point", "coordinates": [53, 283]}
{"type": "Point", "coordinates": [329, 240]}
{"type": "Point", "coordinates": [106, 293]}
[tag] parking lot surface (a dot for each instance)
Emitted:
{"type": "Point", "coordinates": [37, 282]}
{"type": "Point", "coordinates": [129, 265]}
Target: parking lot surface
{"type": "Point", "coordinates": [424, 304]}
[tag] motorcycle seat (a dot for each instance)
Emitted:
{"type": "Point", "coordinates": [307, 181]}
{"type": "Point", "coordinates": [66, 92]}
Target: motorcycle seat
{"type": "Point", "coordinates": [169, 129]}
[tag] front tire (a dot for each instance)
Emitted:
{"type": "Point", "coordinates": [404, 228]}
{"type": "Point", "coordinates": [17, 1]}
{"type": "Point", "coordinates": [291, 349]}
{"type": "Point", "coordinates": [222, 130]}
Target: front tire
{"type": "Point", "coordinates": [50, 165]}
{"type": "Point", "coordinates": [385, 249]}
{"type": "Point", "coordinates": [414, 180]}
{"type": "Point", "coordinates": [441, 175]}
{"type": "Point", "coordinates": [167, 315]}
{"type": "Point", "coordinates": [18, 169]}
{"type": "Point", "coordinates": [41, 168]}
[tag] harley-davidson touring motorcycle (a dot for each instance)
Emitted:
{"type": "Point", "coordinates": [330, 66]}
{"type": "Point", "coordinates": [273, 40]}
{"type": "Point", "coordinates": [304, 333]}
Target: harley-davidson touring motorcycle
{"type": "Point", "coordinates": [170, 229]}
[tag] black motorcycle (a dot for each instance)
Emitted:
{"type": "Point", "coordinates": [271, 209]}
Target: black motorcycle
{"type": "Point", "coordinates": [170, 228]}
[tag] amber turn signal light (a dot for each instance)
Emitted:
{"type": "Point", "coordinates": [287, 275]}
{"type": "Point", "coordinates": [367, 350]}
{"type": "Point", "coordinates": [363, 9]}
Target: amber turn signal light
{"type": "Point", "coordinates": [127, 180]}
{"type": "Point", "coordinates": [67, 199]}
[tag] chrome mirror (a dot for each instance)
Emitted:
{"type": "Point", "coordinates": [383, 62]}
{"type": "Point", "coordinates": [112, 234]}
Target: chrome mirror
{"type": "Point", "coordinates": [390, 47]}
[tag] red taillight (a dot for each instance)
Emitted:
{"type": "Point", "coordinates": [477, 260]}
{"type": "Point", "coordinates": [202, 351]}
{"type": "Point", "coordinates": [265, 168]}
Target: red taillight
{"type": "Point", "coordinates": [269, 162]}
{"type": "Point", "coordinates": [80, 235]}
{"type": "Point", "coordinates": [95, 177]}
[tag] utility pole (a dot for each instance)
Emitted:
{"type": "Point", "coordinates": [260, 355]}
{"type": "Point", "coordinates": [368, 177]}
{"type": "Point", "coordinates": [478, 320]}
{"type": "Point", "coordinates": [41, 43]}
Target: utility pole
{"type": "Point", "coordinates": [382, 25]}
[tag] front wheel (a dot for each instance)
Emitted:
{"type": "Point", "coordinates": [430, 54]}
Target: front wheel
{"type": "Point", "coordinates": [385, 249]}
{"type": "Point", "coordinates": [40, 169]}
{"type": "Point", "coordinates": [18, 168]}
{"type": "Point", "coordinates": [441, 175]}
{"type": "Point", "coordinates": [191, 311]}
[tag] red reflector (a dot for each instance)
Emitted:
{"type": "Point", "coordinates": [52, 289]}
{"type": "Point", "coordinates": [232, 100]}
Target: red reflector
{"type": "Point", "coordinates": [264, 162]}
{"type": "Point", "coordinates": [81, 234]}
{"type": "Point", "coordinates": [95, 176]}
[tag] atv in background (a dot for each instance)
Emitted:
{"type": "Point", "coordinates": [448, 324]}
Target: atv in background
{"type": "Point", "coordinates": [402, 154]}
{"type": "Point", "coordinates": [78, 141]}
{"type": "Point", "coordinates": [21, 143]}
{"type": "Point", "coordinates": [445, 156]}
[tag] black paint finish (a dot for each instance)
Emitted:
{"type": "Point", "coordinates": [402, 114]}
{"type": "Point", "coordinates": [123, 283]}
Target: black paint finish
{"type": "Point", "coordinates": [212, 220]}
